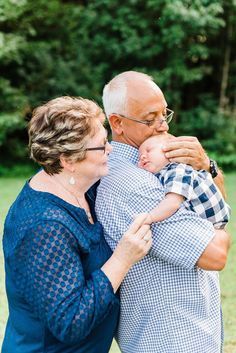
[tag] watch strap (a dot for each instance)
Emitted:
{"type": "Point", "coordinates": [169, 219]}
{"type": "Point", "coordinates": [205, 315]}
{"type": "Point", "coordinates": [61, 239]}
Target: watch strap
{"type": "Point", "coordinates": [213, 168]}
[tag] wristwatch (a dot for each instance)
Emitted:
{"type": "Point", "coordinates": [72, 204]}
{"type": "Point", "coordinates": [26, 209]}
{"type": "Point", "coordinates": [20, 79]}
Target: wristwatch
{"type": "Point", "coordinates": [213, 168]}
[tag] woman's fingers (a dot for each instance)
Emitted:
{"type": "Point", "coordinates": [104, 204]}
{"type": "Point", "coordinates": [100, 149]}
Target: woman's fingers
{"type": "Point", "coordinates": [143, 231]}
{"type": "Point", "coordinates": [147, 236]}
{"type": "Point", "coordinates": [137, 223]}
{"type": "Point", "coordinates": [148, 245]}
{"type": "Point", "coordinates": [136, 242]}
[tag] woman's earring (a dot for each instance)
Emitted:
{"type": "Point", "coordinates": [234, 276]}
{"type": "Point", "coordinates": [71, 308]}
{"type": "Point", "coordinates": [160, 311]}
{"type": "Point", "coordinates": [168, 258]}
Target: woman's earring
{"type": "Point", "coordinates": [72, 181]}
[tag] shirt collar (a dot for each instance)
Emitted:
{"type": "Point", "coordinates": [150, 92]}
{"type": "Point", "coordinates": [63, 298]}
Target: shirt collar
{"type": "Point", "coordinates": [127, 152]}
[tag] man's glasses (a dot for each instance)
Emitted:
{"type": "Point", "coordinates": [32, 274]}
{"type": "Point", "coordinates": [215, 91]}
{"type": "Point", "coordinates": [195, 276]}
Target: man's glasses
{"type": "Point", "coordinates": [156, 121]}
{"type": "Point", "coordinates": [100, 148]}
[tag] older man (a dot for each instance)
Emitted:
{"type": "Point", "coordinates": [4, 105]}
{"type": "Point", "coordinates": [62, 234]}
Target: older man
{"type": "Point", "coordinates": [170, 301]}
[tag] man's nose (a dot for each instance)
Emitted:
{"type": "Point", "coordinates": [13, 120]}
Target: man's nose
{"type": "Point", "coordinates": [163, 127]}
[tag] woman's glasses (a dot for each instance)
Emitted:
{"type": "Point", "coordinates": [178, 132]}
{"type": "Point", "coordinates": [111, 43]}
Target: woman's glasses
{"type": "Point", "coordinates": [100, 148]}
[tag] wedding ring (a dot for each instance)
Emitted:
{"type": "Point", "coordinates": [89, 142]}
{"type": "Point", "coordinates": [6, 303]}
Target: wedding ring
{"type": "Point", "coordinates": [146, 237]}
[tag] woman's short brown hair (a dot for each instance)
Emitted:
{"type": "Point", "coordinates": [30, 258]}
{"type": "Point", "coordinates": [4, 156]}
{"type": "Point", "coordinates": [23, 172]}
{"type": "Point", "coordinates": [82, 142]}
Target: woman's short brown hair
{"type": "Point", "coordinates": [61, 127]}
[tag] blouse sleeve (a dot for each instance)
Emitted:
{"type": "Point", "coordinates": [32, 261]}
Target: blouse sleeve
{"type": "Point", "coordinates": [49, 274]}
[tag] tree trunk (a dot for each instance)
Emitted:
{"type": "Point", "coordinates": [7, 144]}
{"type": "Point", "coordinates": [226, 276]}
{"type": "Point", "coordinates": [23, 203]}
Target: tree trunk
{"type": "Point", "coordinates": [225, 72]}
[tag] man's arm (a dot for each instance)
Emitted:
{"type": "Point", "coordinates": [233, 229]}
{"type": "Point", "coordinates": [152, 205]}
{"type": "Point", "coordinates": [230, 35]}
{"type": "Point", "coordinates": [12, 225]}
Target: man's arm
{"type": "Point", "coordinates": [215, 255]}
{"type": "Point", "coordinates": [188, 150]}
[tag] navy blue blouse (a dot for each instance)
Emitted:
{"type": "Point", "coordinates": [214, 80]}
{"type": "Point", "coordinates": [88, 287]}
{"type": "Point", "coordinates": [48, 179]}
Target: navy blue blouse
{"type": "Point", "coordinates": [59, 299]}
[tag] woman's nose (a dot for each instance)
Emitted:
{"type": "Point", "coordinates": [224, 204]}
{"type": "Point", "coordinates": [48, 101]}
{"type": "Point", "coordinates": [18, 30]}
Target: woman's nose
{"type": "Point", "coordinates": [109, 148]}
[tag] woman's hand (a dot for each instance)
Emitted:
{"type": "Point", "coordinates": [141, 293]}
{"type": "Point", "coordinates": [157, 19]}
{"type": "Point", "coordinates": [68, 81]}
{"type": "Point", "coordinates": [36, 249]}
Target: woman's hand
{"type": "Point", "coordinates": [132, 247]}
{"type": "Point", "coordinates": [135, 243]}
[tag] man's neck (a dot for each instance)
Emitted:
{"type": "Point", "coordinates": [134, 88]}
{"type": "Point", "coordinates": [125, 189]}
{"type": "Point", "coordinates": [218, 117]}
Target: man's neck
{"type": "Point", "coordinates": [120, 139]}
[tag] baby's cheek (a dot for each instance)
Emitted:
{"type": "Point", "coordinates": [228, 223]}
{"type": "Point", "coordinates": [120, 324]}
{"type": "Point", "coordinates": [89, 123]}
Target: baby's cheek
{"type": "Point", "coordinates": [140, 164]}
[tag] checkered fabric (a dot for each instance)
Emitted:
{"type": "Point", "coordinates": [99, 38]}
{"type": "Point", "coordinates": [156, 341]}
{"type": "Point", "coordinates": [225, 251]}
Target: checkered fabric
{"type": "Point", "coordinates": [202, 195]}
{"type": "Point", "coordinates": [168, 305]}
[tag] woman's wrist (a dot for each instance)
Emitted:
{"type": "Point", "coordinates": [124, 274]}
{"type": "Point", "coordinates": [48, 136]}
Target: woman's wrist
{"type": "Point", "coordinates": [116, 269]}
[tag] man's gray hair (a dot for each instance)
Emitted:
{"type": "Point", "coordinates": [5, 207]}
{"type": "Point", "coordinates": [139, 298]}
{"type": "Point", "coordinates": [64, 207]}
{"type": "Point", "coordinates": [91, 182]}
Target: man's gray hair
{"type": "Point", "coordinates": [116, 92]}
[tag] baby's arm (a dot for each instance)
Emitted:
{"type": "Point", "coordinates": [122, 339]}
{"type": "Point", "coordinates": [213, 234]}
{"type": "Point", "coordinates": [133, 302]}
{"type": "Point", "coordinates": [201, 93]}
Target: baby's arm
{"type": "Point", "coordinates": [166, 208]}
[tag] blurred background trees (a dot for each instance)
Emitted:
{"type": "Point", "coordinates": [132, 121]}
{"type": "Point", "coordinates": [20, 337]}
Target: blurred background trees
{"type": "Point", "coordinates": [63, 47]}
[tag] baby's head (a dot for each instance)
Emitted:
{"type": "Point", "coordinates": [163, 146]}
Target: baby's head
{"type": "Point", "coordinates": [151, 156]}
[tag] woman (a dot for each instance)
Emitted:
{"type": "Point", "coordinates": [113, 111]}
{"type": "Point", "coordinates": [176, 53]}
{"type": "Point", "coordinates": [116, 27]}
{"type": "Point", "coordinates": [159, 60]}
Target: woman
{"type": "Point", "coordinates": [61, 277]}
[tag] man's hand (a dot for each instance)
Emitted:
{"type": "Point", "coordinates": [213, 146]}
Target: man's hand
{"type": "Point", "coordinates": [188, 150]}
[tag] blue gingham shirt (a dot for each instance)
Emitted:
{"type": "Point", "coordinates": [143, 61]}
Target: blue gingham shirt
{"type": "Point", "coordinates": [199, 190]}
{"type": "Point", "coordinates": [168, 305]}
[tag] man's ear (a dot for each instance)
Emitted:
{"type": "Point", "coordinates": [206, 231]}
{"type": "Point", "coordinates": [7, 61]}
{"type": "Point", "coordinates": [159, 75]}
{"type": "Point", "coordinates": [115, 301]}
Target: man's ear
{"type": "Point", "coordinates": [115, 122]}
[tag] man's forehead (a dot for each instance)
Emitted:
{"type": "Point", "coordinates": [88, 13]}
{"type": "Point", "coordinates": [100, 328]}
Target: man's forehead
{"type": "Point", "coordinates": [138, 88]}
{"type": "Point", "coordinates": [143, 101]}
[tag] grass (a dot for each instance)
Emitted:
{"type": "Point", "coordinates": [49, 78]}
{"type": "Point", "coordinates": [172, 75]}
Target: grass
{"type": "Point", "coordinates": [228, 275]}
{"type": "Point", "coordinates": [9, 189]}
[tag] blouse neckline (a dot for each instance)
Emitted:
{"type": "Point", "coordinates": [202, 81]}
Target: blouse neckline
{"type": "Point", "coordinates": [61, 201]}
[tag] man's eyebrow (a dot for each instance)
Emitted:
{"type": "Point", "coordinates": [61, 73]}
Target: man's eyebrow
{"type": "Point", "coordinates": [145, 114]}
{"type": "Point", "coordinates": [152, 112]}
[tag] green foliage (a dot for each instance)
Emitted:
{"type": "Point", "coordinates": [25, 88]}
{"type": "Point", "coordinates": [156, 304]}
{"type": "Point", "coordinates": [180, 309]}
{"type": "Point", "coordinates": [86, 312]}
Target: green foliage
{"type": "Point", "coordinates": [56, 47]}
{"type": "Point", "coordinates": [9, 123]}
{"type": "Point", "coordinates": [214, 129]}
{"type": "Point", "coordinates": [18, 170]}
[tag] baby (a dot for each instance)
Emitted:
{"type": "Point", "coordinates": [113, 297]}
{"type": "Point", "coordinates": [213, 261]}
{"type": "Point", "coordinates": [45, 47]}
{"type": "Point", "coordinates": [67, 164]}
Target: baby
{"type": "Point", "coordinates": [183, 185]}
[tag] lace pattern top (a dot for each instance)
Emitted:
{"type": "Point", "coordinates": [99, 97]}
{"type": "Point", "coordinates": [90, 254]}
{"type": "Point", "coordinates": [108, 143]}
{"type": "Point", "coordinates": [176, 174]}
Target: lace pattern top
{"type": "Point", "coordinates": [58, 296]}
